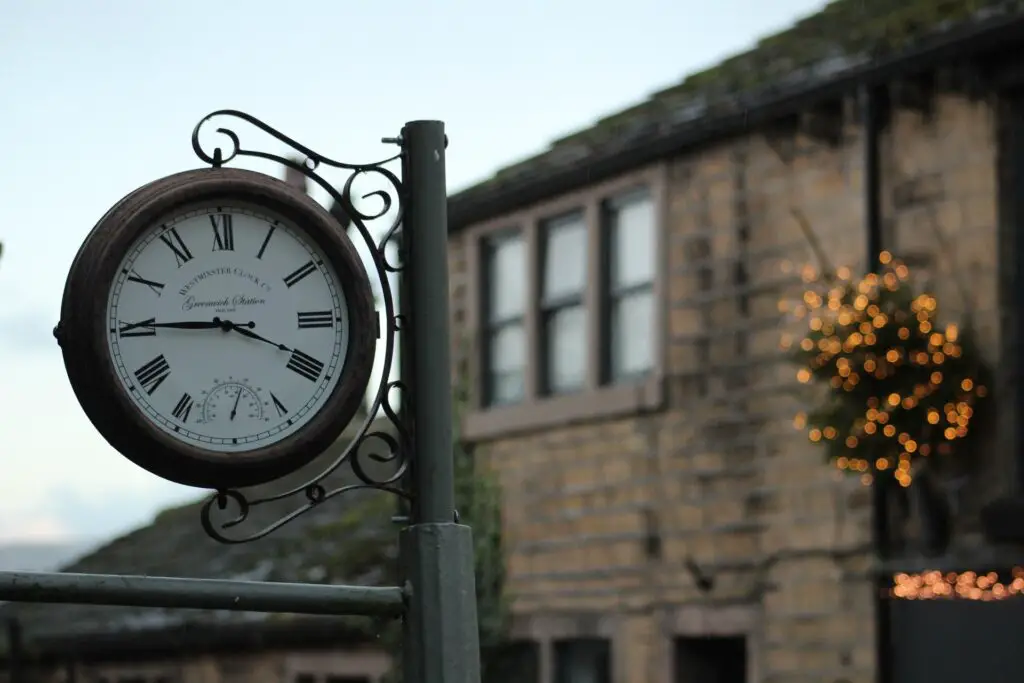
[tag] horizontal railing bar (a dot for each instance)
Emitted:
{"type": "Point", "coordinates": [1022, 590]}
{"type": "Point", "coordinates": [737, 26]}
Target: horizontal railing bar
{"type": "Point", "coordinates": [213, 594]}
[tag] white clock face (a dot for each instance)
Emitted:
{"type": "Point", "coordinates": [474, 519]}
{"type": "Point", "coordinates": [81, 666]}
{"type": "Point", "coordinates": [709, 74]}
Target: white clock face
{"type": "Point", "coordinates": [228, 328]}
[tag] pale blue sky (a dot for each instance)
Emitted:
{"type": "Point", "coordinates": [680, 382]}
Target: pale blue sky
{"type": "Point", "coordinates": [99, 97]}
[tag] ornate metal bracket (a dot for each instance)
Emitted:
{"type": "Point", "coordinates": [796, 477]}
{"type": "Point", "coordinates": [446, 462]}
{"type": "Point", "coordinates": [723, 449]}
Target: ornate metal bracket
{"type": "Point", "coordinates": [377, 445]}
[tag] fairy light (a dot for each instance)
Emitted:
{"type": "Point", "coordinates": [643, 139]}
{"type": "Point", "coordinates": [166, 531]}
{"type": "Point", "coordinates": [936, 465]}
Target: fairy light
{"type": "Point", "coordinates": [967, 585]}
{"type": "Point", "coordinates": [902, 385]}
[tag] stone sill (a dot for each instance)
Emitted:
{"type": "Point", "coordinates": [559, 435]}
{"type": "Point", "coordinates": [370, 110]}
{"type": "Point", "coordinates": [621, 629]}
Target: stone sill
{"type": "Point", "coordinates": [559, 411]}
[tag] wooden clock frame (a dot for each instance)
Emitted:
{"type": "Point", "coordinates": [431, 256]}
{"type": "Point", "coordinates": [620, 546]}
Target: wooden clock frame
{"type": "Point", "coordinates": [83, 330]}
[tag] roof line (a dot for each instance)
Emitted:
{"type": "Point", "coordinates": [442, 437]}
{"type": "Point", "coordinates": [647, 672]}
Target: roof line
{"type": "Point", "coordinates": [484, 201]}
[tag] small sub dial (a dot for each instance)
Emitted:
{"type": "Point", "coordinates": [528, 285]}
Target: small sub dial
{"type": "Point", "coordinates": [231, 400]}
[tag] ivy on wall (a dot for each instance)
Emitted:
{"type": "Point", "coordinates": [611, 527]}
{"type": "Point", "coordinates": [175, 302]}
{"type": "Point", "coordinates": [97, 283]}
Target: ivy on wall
{"type": "Point", "coordinates": [895, 383]}
{"type": "Point", "coordinates": [478, 500]}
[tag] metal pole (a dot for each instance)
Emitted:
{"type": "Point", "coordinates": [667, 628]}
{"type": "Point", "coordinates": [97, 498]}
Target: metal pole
{"type": "Point", "coordinates": [425, 238]}
{"type": "Point", "coordinates": [871, 114]}
{"type": "Point", "coordinates": [441, 640]}
{"type": "Point", "coordinates": [239, 596]}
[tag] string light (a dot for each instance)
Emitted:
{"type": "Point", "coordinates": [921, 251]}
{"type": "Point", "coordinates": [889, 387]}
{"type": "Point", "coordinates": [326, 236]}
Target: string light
{"type": "Point", "coordinates": [968, 585]}
{"type": "Point", "coordinates": [901, 385]}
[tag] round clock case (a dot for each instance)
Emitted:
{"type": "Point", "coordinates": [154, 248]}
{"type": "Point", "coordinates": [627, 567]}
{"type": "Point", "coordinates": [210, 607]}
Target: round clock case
{"type": "Point", "coordinates": [148, 437]}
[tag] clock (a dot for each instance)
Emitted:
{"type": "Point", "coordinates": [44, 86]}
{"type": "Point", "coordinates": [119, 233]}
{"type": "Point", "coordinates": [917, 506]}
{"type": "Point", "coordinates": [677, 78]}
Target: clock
{"type": "Point", "coordinates": [218, 328]}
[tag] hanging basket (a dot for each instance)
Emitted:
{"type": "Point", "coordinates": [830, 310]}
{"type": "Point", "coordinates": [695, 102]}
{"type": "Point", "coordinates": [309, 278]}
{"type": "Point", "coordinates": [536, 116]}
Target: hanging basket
{"type": "Point", "coordinates": [895, 384]}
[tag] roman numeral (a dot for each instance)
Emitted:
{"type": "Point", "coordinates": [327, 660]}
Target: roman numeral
{"type": "Point", "coordinates": [302, 272]}
{"type": "Point", "coordinates": [152, 374]}
{"type": "Point", "coordinates": [223, 232]}
{"type": "Point", "coordinates": [182, 408]}
{"type": "Point", "coordinates": [316, 319]}
{"type": "Point", "coordinates": [135, 277]}
{"type": "Point", "coordinates": [305, 365]}
{"type": "Point", "coordinates": [181, 253]}
{"type": "Point", "coordinates": [266, 241]}
{"type": "Point", "coordinates": [278, 406]}
{"type": "Point", "coordinates": [141, 329]}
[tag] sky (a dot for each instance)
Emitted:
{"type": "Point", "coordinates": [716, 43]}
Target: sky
{"type": "Point", "coordinates": [100, 97]}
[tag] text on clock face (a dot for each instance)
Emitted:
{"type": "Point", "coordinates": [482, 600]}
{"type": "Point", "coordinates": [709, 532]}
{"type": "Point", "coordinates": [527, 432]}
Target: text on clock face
{"type": "Point", "coordinates": [227, 327]}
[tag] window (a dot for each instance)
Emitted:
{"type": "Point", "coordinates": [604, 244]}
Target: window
{"type": "Point", "coordinates": [583, 661]}
{"type": "Point", "coordinates": [630, 256]}
{"type": "Point", "coordinates": [511, 662]}
{"type": "Point", "coordinates": [712, 659]}
{"type": "Point", "coordinates": [505, 309]}
{"type": "Point", "coordinates": [563, 314]}
{"type": "Point", "coordinates": [566, 309]}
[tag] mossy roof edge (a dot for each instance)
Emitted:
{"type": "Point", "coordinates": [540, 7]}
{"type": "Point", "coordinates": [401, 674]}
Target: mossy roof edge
{"type": "Point", "coordinates": [844, 37]}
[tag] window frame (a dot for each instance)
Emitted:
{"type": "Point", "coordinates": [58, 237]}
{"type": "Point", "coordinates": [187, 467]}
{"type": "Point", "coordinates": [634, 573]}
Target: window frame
{"type": "Point", "coordinates": [490, 327]}
{"type": "Point", "coordinates": [549, 307]}
{"type": "Point", "coordinates": [600, 398]}
{"type": "Point", "coordinates": [612, 293]}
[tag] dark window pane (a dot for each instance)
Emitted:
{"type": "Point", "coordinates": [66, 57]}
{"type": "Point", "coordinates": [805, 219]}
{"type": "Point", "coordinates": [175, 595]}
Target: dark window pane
{"type": "Point", "coordinates": [631, 224]}
{"type": "Point", "coordinates": [506, 275]}
{"type": "Point", "coordinates": [565, 257]}
{"type": "Point", "coordinates": [515, 662]}
{"type": "Point", "coordinates": [632, 332]}
{"type": "Point", "coordinates": [713, 659]}
{"type": "Point", "coordinates": [583, 661]}
{"type": "Point", "coordinates": [507, 361]}
{"type": "Point", "coordinates": [566, 352]}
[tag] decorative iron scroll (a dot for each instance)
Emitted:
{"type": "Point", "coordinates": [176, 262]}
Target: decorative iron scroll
{"type": "Point", "coordinates": [376, 445]}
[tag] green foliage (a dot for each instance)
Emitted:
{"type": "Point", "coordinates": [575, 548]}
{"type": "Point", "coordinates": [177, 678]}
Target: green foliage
{"type": "Point", "coordinates": [478, 500]}
{"type": "Point", "coordinates": [894, 386]}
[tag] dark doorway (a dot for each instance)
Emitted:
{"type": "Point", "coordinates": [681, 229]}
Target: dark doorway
{"type": "Point", "coordinates": [711, 660]}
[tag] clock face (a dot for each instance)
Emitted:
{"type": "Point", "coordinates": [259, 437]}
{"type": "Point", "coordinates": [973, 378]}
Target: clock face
{"type": "Point", "coordinates": [227, 327]}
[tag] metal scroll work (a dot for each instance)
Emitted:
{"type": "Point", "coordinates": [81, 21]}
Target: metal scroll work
{"type": "Point", "coordinates": [372, 448]}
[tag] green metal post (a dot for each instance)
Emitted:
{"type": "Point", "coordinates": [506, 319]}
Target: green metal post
{"type": "Point", "coordinates": [441, 641]}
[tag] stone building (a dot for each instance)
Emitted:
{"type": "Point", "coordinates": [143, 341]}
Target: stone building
{"type": "Point", "coordinates": [617, 305]}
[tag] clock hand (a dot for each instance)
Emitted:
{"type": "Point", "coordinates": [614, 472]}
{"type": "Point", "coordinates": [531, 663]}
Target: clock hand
{"type": "Point", "coordinates": [186, 325]}
{"type": "Point", "coordinates": [234, 408]}
{"type": "Point", "coordinates": [246, 331]}
{"type": "Point", "coordinates": [189, 325]}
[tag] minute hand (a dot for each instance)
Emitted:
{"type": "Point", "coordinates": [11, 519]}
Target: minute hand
{"type": "Point", "coordinates": [186, 325]}
{"type": "Point", "coordinates": [245, 332]}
